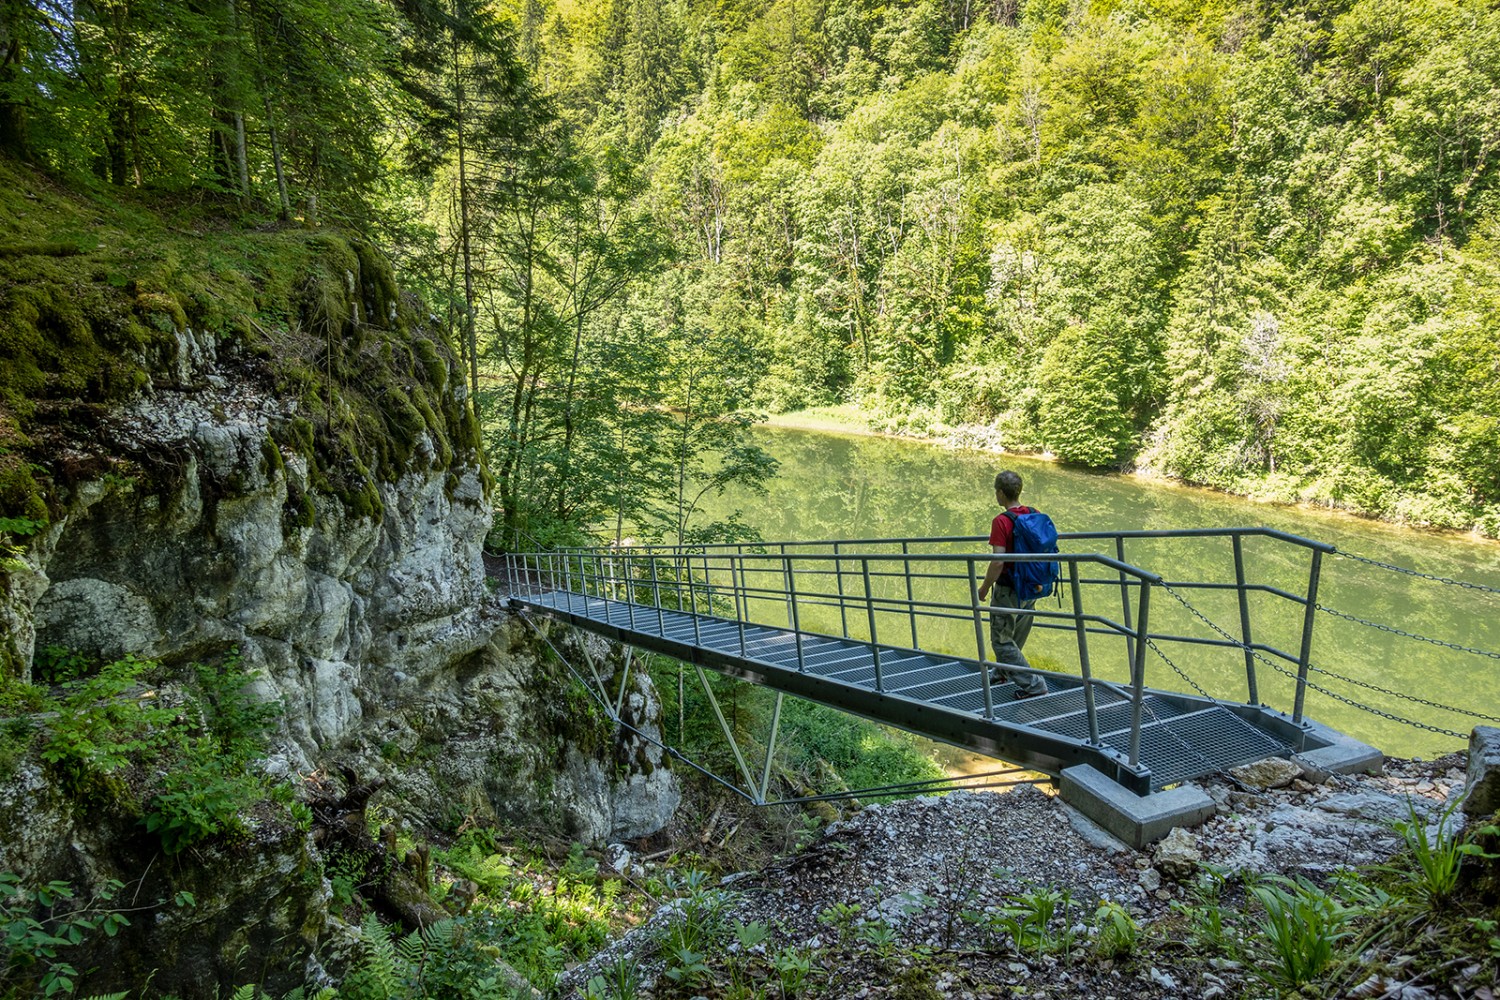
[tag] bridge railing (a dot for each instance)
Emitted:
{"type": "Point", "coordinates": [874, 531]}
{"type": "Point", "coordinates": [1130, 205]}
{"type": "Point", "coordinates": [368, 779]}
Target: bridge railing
{"type": "Point", "coordinates": [902, 594]}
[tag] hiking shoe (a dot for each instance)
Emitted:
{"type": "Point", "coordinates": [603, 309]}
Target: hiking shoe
{"type": "Point", "coordinates": [1023, 695]}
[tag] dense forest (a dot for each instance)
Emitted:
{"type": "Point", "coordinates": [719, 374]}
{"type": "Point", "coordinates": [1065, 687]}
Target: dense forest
{"type": "Point", "coordinates": [1251, 245]}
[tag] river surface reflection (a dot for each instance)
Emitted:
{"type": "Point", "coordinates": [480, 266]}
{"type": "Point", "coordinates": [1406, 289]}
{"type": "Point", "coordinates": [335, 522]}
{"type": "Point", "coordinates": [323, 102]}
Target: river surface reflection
{"type": "Point", "coordinates": [835, 486]}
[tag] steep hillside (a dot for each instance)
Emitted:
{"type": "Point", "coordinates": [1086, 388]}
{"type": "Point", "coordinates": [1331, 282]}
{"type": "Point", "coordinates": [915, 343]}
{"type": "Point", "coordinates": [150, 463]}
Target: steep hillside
{"type": "Point", "coordinates": [245, 596]}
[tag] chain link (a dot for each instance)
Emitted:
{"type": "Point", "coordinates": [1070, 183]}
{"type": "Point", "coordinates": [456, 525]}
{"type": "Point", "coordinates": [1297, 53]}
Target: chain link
{"type": "Point", "coordinates": [1424, 576]}
{"type": "Point", "coordinates": [1406, 635]}
{"type": "Point", "coordinates": [1180, 673]}
{"type": "Point", "coordinates": [1397, 694]}
{"type": "Point", "coordinates": [1313, 684]}
{"type": "Point", "coordinates": [1286, 747]}
{"type": "Point", "coordinates": [1166, 726]}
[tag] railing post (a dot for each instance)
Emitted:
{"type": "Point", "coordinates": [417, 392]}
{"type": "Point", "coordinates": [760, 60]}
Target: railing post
{"type": "Point", "coordinates": [874, 638]}
{"type": "Point", "coordinates": [737, 566]}
{"type": "Point", "coordinates": [791, 592]}
{"type": "Point", "coordinates": [1138, 671]}
{"type": "Point", "coordinates": [737, 586]}
{"type": "Point", "coordinates": [1239, 582]}
{"type": "Point", "coordinates": [693, 597]}
{"type": "Point", "coordinates": [661, 628]}
{"type": "Point", "coordinates": [1084, 669]}
{"type": "Point", "coordinates": [630, 571]}
{"type": "Point", "coordinates": [1309, 616]}
{"type": "Point", "coordinates": [693, 587]}
{"type": "Point", "coordinates": [1125, 598]}
{"type": "Point", "coordinates": [984, 667]}
{"type": "Point", "coordinates": [911, 605]}
{"type": "Point", "coordinates": [568, 578]}
{"type": "Point", "coordinates": [790, 611]}
{"type": "Point", "coordinates": [838, 570]}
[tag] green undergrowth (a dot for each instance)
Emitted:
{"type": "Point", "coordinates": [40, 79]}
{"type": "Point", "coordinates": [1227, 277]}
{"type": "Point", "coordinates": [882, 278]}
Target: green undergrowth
{"type": "Point", "coordinates": [510, 901]}
{"type": "Point", "coordinates": [97, 285]}
{"type": "Point", "coordinates": [170, 750]}
{"type": "Point", "coordinates": [540, 915]}
{"type": "Point", "coordinates": [818, 750]}
{"type": "Point", "coordinates": [165, 754]}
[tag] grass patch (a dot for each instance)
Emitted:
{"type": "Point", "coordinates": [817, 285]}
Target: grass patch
{"type": "Point", "coordinates": [818, 749]}
{"type": "Point", "coordinates": [842, 418]}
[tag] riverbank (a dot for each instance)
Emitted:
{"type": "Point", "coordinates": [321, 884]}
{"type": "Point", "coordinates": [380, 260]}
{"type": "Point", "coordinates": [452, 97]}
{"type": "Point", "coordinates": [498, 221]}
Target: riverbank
{"type": "Point", "coordinates": [986, 438]}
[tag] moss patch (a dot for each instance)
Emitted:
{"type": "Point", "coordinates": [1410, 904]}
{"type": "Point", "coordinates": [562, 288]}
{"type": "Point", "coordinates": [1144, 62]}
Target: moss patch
{"type": "Point", "coordinates": [96, 288]}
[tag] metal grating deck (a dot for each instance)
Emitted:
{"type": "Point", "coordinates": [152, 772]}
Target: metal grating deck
{"type": "Point", "coordinates": [941, 696]}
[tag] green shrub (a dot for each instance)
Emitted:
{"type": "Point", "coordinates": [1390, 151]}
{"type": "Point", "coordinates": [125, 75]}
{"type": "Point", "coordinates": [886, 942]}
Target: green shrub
{"type": "Point", "coordinates": [40, 922]}
{"type": "Point", "coordinates": [1301, 931]}
{"type": "Point", "coordinates": [201, 799]}
{"type": "Point", "coordinates": [1116, 931]}
{"type": "Point", "coordinates": [99, 728]}
{"type": "Point", "coordinates": [105, 725]}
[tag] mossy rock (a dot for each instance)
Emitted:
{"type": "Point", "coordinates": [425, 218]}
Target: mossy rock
{"type": "Point", "coordinates": [95, 291]}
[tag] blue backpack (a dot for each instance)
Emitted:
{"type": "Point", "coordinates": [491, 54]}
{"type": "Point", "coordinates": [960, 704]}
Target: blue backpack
{"type": "Point", "coordinates": [1032, 533]}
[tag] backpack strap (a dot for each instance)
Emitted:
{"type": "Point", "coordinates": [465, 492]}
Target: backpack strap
{"type": "Point", "coordinates": [1006, 567]}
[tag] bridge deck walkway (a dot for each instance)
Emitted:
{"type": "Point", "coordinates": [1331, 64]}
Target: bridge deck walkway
{"type": "Point", "coordinates": [943, 697]}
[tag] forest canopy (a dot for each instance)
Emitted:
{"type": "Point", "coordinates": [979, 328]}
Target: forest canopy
{"type": "Point", "coordinates": [1248, 244]}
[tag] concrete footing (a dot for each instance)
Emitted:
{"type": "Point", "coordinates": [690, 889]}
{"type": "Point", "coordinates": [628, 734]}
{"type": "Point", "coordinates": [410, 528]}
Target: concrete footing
{"type": "Point", "coordinates": [1342, 755]}
{"type": "Point", "coordinates": [1139, 820]}
{"type": "Point", "coordinates": [1135, 819]}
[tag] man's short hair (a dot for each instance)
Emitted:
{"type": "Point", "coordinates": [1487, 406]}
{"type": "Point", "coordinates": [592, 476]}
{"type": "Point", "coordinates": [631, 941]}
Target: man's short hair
{"type": "Point", "coordinates": [1009, 483]}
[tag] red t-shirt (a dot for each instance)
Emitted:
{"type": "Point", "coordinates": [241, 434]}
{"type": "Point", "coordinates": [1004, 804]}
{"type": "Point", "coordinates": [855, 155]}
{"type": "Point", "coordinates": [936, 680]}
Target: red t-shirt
{"type": "Point", "coordinates": [1002, 531]}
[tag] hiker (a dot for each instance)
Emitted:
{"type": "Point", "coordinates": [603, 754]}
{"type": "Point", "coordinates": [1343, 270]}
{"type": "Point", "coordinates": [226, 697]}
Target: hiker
{"type": "Point", "coordinates": [1008, 628]}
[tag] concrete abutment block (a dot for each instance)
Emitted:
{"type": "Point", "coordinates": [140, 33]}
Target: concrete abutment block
{"type": "Point", "coordinates": [1137, 820]}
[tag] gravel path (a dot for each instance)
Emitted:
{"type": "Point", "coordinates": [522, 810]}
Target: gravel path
{"type": "Point", "coordinates": [902, 899]}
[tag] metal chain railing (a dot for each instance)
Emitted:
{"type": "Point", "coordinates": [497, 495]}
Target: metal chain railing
{"type": "Point", "coordinates": [1391, 716]}
{"type": "Point", "coordinates": [1405, 697]}
{"type": "Point", "coordinates": [1405, 634]}
{"type": "Point", "coordinates": [1482, 588]}
{"type": "Point", "coordinates": [1165, 724]}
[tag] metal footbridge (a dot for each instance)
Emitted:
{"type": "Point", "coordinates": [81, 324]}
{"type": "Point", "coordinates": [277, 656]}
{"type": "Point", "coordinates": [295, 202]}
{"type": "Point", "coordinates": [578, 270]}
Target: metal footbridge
{"type": "Point", "coordinates": [893, 630]}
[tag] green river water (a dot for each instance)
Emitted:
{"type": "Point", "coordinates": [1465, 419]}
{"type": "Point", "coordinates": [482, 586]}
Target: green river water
{"type": "Point", "coordinates": [837, 486]}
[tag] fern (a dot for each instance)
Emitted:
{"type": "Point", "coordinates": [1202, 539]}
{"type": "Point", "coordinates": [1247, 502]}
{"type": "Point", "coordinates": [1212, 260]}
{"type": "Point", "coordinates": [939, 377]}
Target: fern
{"type": "Point", "coordinates": [377, 977]}
{"type": "Point", "coordinates": [411, 952]}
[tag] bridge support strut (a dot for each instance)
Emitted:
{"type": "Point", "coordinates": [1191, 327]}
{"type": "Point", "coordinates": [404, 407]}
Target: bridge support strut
{"type": "Point", "coordinates": [759, 789]}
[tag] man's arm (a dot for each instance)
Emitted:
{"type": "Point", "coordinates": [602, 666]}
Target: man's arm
{"type": "Point", "coordinates": [992, 573]}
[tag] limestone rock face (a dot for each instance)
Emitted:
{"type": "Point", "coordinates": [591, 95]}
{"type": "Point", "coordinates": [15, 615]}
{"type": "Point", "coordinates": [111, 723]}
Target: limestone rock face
{"type": "Point", "coordinates": [1482, 789]}
{"type": "Point", "coordinates": [373, 631]}
{"type": "Point", "coordinates": [376, 631]}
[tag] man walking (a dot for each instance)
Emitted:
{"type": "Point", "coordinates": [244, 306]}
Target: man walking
{"type": "Point", "coordinates": [1010, 621]}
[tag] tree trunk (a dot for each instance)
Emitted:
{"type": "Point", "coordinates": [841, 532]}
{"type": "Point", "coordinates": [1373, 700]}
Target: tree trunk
{"type": "Point", "coordinates": [118, 144]}
{"type": "Point", "coordinates": [241, 157]}
{"type": "Point", "coordinates": [470, 337]}
{"type": "Point", "coordinates": [14, 133]}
